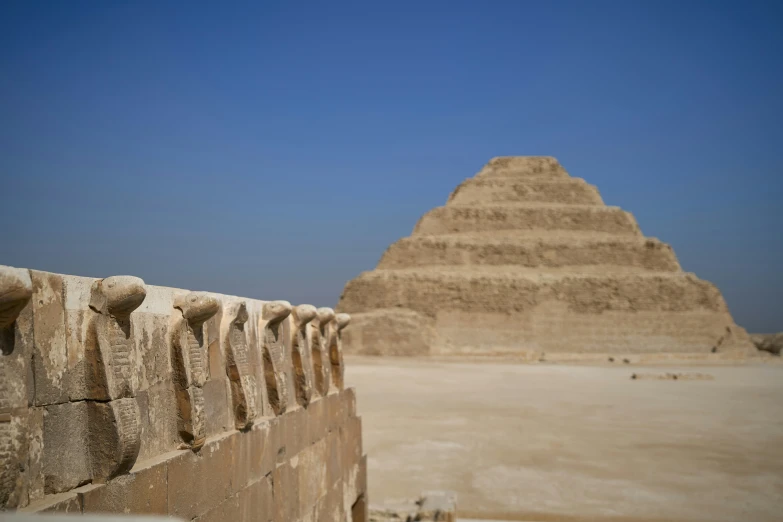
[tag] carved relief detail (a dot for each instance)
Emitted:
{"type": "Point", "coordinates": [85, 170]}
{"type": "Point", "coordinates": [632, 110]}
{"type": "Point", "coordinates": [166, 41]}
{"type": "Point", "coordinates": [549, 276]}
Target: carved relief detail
{"type": "Point", "coordinates": [321, 333]}
{"type": "Point", "coordinates": [336, 350]}
{"type": "Point", "coordinates": [300, 353]}
{"type": "Point", "coordinates": [274, 348]}
{"type": "Point", "coordinates": [115, 426]}
{"type": "Point", "coordinates": [16, 288]}
{"type": "Point", "coordinates": [15, 291]}
{"type": "Point", "coordinates": [243, 382]}
{"type": "Point", "coordinates": [187, 347]}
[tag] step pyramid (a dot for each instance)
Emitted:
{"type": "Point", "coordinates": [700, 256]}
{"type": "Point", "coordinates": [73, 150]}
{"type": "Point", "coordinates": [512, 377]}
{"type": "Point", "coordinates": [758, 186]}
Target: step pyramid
{"type": "Point", "coordinates": [526, 260]}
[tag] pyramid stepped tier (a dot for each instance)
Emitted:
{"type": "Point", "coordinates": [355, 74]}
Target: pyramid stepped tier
{"type": "Point", "coordinates": [515, 312]}
{"type": "Point", "coordinates": [523, 167]}
{"type": "Point", "coordinates": [526, 260]}
{"type": "Point", "coordinates": [572, 191]}
{"type": "Point", "coordinates": [526, 216]}
{"type": "Point", "coordinates": [583, 252]}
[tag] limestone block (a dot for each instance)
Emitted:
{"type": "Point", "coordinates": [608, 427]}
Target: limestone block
{"type": "Point", "coordinates": [50, 357]}
{"type": "Point", "coordinates": [389, 331]}
{"type": "Point", "coordinates": [453, 219]}
{"type": "Point", "coordinates": [243, 383]}
{"type": "Point", "coordinates": [143, 491]}
{"type": "Point", "coordinates": [159, 412]}
{"type": "Point", "coordinates": [198, 482]}
{"type": "Point", "coordinates": [301, 353]}
{"type": "Point", "coordinates": [275, 349]}
{"type": "Point", "coordinates": [286, 492]}
{"type": "Point", "coordinates": [16, 289]}
{"type": "Point", "coordinates": [188, 360]}
{"type": "Point", "coordinates": [293, 431]}
{"type": "Point", "coordinates": [568, 191]}
{"type": "Point", "coordinates": [523, 167]}
{"type": "Point", "coordinates": [311, 474]}
{"type": "Point", "coordinates": [217, 404]}
{"type": "Point", "coordinates": [256, 502]}
{"type": "Point", "coordinates": [66, 449]}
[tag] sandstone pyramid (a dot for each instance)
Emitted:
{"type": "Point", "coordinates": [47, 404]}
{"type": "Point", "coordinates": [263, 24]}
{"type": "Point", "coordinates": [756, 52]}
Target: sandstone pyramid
{"type": "Point", "coordinates": [526, 260]}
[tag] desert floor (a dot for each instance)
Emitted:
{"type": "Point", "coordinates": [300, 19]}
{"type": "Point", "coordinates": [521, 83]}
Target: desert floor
{"type": "Point", "coordinates": [552, 442]}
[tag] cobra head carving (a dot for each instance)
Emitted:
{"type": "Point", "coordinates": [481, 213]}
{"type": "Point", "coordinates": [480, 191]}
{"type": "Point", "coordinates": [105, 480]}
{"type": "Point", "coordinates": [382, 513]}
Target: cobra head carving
{"type": "Point", "coordinates": [197, 307]}
{"type": "Point", "coordinates": [16, 288]}
{"type": "Point", "coordinates": [117, 295]}
{"type": "Point", "coordinates": [275, 311]}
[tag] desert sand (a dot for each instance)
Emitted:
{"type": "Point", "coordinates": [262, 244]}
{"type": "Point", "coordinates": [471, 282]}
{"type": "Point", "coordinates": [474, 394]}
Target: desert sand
{"type": "Point", "coordinates": [549, 442]}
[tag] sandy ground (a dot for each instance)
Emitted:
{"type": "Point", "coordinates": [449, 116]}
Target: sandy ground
{"type": "Point", "coordinates": [575, 443]}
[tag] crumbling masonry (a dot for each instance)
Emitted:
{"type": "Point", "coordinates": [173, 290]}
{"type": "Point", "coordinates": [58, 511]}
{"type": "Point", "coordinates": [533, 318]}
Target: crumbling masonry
{"type": "Point", "coordinates": [526, 261]}
{"type": "Point", "coordinates": [116, 396]}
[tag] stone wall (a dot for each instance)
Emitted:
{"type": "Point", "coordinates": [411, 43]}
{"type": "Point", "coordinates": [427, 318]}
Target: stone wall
{"type": "Point", "coordinates": [117, 396]}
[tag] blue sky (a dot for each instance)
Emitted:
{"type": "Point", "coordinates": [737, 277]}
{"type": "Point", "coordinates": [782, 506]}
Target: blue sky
{"type": "Point", "coordinates": [275, 149]}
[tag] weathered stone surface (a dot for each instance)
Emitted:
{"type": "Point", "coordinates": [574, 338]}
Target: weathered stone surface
{"type": "Point", "coordinates": [144, 491]}
{"type": "Point", "coordinates": [301, 352]}
{"type": "Point", "coordinates": [572, 191]}
{"type": "Point", "coordinates": [188, 358]}
{"type": "Point", "coordinates": [66, 455]}
{"type": "Point", "coordinates": [453, 219]}
{"type": "Point", "coordinates": [320, 336]}
{"type": "Point", "coordinates": [198, 482]}
{"type": "Point", "coordinates": [134, 370]}
{"type": "Point", "coordinates": [50, 357]}
{"type": "Point", "coordinates": [16, 289]}
{"type": "Point", "coordinates": [341, 322]}
{"type": "Point", "coordinates": [243, 383]}
{"type": "Point", "coordinates": [526, 260]}
{"type": "Point", "coordinates": [114, 437]}
{"type": "Point", "coordinates": [274, 349]}
{"type": "Point", "coordinates": [772, 343]}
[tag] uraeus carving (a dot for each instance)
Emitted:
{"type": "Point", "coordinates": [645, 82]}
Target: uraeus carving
{"type": "Point", "coordinates": [188, 362]}
{"type": "Point", "coordinates": [300, 353]}
{"type": "Point", "coordinates": [320, 346]}
{"type": "Point", "coordinates": [15, 291]}
{"type": "Point", "coordinates": [115, 421]}
{"type": "Point", "coordinates": [274, 348]}
{"type": "Point", "coordinates": [243, 382]}
{"type": "Point", "coordinates": [336, 350]}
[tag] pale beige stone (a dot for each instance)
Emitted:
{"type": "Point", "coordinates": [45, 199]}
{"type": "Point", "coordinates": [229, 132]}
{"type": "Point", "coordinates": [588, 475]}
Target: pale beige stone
{"type": "Point", "coordinates": [16, 289]}
{"type": "Point", "coordinates": [188, 358]}
{"type": "Point", "coordinates": [243, 383]}
{"type": "Point", "coordinates": [301, 353]}
{"type": "Point", "coordinates": [526, 260]}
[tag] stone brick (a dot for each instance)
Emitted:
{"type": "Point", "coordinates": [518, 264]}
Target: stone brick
{"type": "Point", "coordinates": [50, 356]}
{"type": "Point", "coordinates": [158, 409]}
{"type": "Point", "coordinates": [286, 492]}
{"type": "Point", "coordinates": [66, 458]}
{"type": "Point", "coordinates": [218, 407]}
{"type": "Point", "coordinates": [253, 456]}
{"type": "Point", "coordinates": [334, 458]}
{"type": "Point", "coordinates": [316, 420]}
{"type": "Point", "coordinates": [198, 482]}
{"type": "Point", "coordinates": [294, 435]}
{"type": "Point", "coordinates": [143, 491]}
{"type": "Point", "coordinates": [256, 502]}
{"type": "Point", "coordinates": [348, 407]}
{"type": "Point", "coordinates": [61, 503]}
{"type": "Point", "coordinates": [223, 512]}
{"type": "Point", "coordinates": [312, 474]}
{"type": "Point", "coordinates": [330, 507]}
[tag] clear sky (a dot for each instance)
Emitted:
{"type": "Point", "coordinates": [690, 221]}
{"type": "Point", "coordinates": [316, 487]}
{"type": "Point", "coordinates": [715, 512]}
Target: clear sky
{"type": "Point", "coordinates": [275, 149]}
